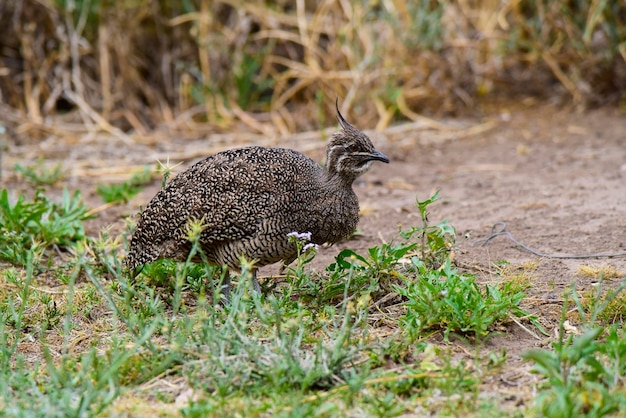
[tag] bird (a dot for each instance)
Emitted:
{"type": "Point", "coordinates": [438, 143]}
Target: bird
{"type": "Point", "coordinates": [250, 199]}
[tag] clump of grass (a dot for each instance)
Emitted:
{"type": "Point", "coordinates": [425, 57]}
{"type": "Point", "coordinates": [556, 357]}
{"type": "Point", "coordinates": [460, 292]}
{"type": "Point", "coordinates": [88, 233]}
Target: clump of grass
{"type": "Point", "coordinates": [444, 299]}
{"type": "Point", "coordinates": [61, 381]}
{"type": "Point", "coordinates": [38, 225]}
{"type": "Point", "coordinates": [615, 311]}
{"type": "Point", "coordinates": [608, 305]}
{"type": "Point", "coordinates": [584, 374]}
{"type": "Point", "coordinates": [41, 175]}
{"type": "Point", "coordinates": [604, 271]}
{"type": "Point", "coordinates": [122, 193]}
{"type": "Point", "coordinates": [229, 339]}
{"type": "Point", "coordinates": [520, 277]}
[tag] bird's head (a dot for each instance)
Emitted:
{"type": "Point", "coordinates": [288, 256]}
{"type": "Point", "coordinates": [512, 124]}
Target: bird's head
{"type": "Point", "coordinates": [350, 152]}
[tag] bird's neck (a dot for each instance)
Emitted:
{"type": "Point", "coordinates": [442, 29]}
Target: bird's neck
{"type": "Point", "coordinates": [339, 180]}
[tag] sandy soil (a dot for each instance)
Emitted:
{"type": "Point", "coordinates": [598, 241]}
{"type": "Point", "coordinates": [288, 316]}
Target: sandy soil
{"type": "Point", "coordinates": [557, 178]}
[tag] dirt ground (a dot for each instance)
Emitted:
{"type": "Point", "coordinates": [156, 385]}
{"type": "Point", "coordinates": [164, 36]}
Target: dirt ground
{"type": "Point", "coordinates": [556, 177]}
{"type": "Point", "coordinates": [558, 181]}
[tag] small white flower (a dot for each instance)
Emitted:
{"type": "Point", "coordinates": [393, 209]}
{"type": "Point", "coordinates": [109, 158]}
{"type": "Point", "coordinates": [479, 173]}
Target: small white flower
{"type": "Point", "coordinates": [303, 236]}
{"type": "Point", "coordinates": [309, 246]}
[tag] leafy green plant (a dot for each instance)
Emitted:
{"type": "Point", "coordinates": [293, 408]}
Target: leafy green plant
{"type": "Point", "coordinates": [196, 277]}
{"type": "Point", "coordinates": [436, 241]}
{"type": "Point", "coordinates": [437, 296]}
{"type": "Point", "coordinates": [374, 273]}
{"type": "Point", "coordinates": [39, 174]}
{"type": "Point", "coordinates": [584, 373]}
{"type": "Point", "coordinates": [447, 300]}
{"type": "Point", "coordinates": [580, 379]}
{"type": "Point", "coordinates": [122, 193]}
{"type": "Point", "coordinates": [37, 225]}
{"type": "Point", "coordinates": [381, 260]}
{"type": "Point", "coordinates": [251, 89]}
{"type": "Point", "coordinates": [377, 272]}
{"type": "Point", "coordinates": [305, 347]}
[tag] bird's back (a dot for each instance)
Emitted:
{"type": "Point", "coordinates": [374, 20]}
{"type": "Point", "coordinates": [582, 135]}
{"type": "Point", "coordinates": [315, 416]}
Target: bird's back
{"type": "Point", "coordinates": [248, 199]}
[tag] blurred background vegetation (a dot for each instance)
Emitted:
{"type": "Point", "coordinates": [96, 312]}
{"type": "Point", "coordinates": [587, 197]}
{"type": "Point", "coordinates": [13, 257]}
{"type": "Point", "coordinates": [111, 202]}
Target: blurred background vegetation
{"type": "Point", "coordinates": [134, 66]}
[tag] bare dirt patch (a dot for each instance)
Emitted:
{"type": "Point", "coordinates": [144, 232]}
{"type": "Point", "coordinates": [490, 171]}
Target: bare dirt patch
{"type": "Point", "coordinates": [558, 181]}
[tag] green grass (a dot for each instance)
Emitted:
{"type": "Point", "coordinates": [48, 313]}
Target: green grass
{"type": "Point", "coordinates": [123, 192]}
{"type": "Point", "coordinates": [584, 371]}
{"type": "Point", "coordinates": [28, 228]}
{"type": "Point", "coordinates": [39, 174]}
{"type": "Point", "coordinates": [77, 338]}
{"type": "Point", "coordinates": [444, 299]}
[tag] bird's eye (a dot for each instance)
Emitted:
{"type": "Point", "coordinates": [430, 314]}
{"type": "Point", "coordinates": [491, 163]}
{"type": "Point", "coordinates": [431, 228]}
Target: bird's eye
{"type": "Point", "coordinates": [352, 148]}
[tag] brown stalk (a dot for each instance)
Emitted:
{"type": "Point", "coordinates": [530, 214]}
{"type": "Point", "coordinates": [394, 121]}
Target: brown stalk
{"type": "Point", "coordinates": [30, 93]}
{"type": "Point", "coordinates": [105, 71]}
{"type": "Point", "coordinates": [204, 29]}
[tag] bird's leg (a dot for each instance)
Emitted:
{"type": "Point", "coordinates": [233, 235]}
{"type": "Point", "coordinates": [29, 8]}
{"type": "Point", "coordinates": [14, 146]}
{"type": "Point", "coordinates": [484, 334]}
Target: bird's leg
{"type": "Point", "coordinates": [225, 288]}
{"type": "Point", "coordinates": [255, 283]}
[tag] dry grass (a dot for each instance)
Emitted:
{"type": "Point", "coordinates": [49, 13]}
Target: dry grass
{"type": "Point", "coordinates": [130, 67]}
{"type": "Point", "coordinates": [604, 271]}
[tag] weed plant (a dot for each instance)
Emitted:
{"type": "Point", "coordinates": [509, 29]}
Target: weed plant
{"type": "Point", "coordinates": [122, 193]}
{"type": "Point", "coordinates": [28, 228]}
{"type": "Point", "coordinates": [447, 300]}
{"type": "Point", "coordinates": [103, 345]}
{"type": "Point", "coordinates": [584, 374]}
{"type": "Point", "coordinates": [40, 175]}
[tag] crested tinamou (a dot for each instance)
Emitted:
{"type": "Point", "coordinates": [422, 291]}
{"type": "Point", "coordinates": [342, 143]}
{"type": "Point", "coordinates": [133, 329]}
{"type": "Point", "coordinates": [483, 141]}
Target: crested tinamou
{"type": "Point", "coordinates": [249, 199]}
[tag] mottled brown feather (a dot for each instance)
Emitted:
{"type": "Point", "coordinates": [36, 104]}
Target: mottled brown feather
{"type": "Point", "coordinates": [249, 200]}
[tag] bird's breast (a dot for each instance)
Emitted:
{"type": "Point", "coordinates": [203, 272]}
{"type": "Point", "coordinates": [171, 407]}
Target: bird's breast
{"type": "Point", "coordinates": [336, 218]}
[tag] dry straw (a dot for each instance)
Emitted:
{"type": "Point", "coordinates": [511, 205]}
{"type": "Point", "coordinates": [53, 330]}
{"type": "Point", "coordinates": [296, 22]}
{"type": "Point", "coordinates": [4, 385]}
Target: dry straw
{"type": "Point", "coordinates": [129, 67]}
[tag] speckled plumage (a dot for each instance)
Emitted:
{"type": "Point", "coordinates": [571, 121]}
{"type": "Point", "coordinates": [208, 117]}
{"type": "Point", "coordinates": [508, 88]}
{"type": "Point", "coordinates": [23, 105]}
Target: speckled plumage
{"type": "Point", "coordinates": [249, 199]}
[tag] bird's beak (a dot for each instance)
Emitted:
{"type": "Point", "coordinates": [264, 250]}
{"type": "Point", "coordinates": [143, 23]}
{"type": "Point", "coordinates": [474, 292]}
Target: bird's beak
{"type": "Point", "coordinates": [379, 156]}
